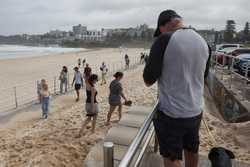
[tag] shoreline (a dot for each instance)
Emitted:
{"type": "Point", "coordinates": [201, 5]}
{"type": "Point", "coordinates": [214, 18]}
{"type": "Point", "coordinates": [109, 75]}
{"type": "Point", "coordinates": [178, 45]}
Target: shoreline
{"type": "Point", "coordinates": [45, 55]}
{"type": "Point", "coordinates": [34, 54]}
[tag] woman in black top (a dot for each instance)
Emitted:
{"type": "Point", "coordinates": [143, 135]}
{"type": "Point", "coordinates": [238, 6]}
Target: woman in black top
{"type": "Point", "coordinates": [91, 106]}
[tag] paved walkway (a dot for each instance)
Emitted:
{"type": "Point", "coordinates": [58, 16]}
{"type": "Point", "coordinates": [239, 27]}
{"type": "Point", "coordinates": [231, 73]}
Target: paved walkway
{"type": "Point", "coordinates": [122, 136]}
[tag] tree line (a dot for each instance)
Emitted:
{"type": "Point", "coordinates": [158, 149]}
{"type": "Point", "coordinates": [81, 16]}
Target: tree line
{"type": "Point", "coordinates": [231, 35]}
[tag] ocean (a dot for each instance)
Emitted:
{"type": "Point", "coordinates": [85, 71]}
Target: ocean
{"type": "Point", "coordinates": [17, 51]}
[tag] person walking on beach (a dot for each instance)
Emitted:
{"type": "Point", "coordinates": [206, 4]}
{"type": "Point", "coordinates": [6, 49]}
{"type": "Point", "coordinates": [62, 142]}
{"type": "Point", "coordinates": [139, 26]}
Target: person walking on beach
{"type": "Point", "coordinates": [87, 72]}
{"type": "Point", "coordinates": [146, 58]}
{"type": "Point", "coordinates": [83, 62]}
{"type": "Point", "coordinates": [39, 89]}
{"type": "Point", "coordinates": [104, 71]}
{"type": "Point", "coordinates": [78, 82]}
{"type": "Point", "coordinates": [116, 93]}
{"type": "Point", "coordinates": [45, 94]}
{"type": "Point", "coordinates": [79, 62]}
{"type": "Point", "coordinates": [127, 61]}
{"type": "Point", "coordinates": [63, 79]}
{"type": "Point", "coordinates": [178, 60]}
{"type": "Point", "coordinates": [142, 58]}
{"type": "Point", "coordinates": [91, 105]}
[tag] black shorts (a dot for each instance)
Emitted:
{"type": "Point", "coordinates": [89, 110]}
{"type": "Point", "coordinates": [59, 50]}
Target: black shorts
{"type": "Point", "coordinates": [78, 86]}
{"type": "Point", "coordinates": [176, 134]}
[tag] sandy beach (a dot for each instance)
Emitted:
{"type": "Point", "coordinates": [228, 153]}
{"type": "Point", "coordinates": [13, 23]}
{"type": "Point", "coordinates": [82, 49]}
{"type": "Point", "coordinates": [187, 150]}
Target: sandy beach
{"type": "Point", "coordinates": [24, 73]}
{"type": "Point", "coordinates": [233, 136]}
{"type": "Point", "coordinates": [27, 140]}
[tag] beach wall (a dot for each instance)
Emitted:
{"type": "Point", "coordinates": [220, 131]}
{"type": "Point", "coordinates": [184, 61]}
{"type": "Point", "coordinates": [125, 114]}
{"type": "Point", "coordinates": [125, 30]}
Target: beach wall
{"type": "Point", "coordinates": [230, 106]}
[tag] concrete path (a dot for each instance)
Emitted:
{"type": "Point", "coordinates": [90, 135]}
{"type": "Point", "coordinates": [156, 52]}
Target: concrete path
{"type": "Point", "coordinates": [121, 135]}
{"type": "Point", "coordinates": [155, 160]}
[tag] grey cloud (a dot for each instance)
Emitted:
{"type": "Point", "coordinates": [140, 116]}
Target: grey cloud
{"type": "Point", "coordinates": [39, 16]}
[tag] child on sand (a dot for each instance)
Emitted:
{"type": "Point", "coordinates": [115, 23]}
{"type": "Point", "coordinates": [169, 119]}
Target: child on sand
{"type": "Point", "coordinates": [91, 105]}
{"type": "Point", "coordinates": [39, 89]}
{"type": "Point", "coordinates": [45, 94]}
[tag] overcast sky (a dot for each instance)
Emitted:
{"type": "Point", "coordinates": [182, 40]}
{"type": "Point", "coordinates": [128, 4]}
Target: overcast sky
{"type": "Point", "coordinates": [40, 16]}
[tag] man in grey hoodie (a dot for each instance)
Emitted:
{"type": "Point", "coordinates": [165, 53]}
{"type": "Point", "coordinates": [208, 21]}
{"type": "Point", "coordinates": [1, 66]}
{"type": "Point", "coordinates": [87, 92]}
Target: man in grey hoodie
{"type": "Point", "coordinates": [178, 61]}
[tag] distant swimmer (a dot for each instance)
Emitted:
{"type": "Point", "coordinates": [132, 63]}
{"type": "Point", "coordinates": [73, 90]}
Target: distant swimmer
{"type": "Point", "coordinates": [79, 62]}
{"type": "Point", "coordinates": [78, 80]}
{"type": "Point", "coordinates": [64, 80]}
{"type": "Point", "coordinates": [115, 95]}
{"type": "Point", "coordinates": [87, 72]}
{"type": "Point", "coordinates": [91, 105]}
{"type": "Point", "coordinates": [104, 71]}
{"type": "Point", "coordinates": [45, 96]}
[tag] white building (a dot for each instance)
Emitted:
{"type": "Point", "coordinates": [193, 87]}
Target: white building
{"type": "Point", "coordinates": [79, 29]}
{"type": "Point", "coordinates": [57, 33]}
{"type": "Point", "coordinates": [81, 33]}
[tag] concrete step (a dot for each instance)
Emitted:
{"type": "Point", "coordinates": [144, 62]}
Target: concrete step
{"type": "Point", "coordinates": [121, 135]}
{"type": "Point", "coordinates": [95, 156]}
{"type": "Point", "coordinates": [132, 120]}
{"type": "Point", "coordinates": [155, 160]}
{"type": "Point", "coordinates": [139, 110]}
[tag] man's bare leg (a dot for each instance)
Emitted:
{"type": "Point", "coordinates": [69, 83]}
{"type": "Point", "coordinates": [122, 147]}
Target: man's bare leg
{"type": "Point", "coordinates": [191, 159]}
{"type": "Point", "coordinates": [169, 163]}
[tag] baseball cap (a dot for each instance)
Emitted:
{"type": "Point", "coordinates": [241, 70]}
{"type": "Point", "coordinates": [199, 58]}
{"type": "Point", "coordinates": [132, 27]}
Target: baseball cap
{"type": "Point", "coordinates": [163, 18]}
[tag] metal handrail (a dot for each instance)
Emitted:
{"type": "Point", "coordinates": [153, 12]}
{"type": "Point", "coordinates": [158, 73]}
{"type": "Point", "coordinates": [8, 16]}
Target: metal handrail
{"type": "Point", "coordinates": [215, 60]}
{"type": "Point", "coordinates": [232, 73]}
{"type": "Point", "coordinates": [127, 159]}
{"type": "Point", "coordinates": [142, 152]}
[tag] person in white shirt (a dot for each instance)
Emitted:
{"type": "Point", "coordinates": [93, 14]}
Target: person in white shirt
{"type": "Point", "coordinates": [45, 98]}
{"type": "Point", "coordinates": [104, 71]}
{"type": "Point", "coordinates": [64, 79]}
{"type": "Point", "coordinates": [78, 80]}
